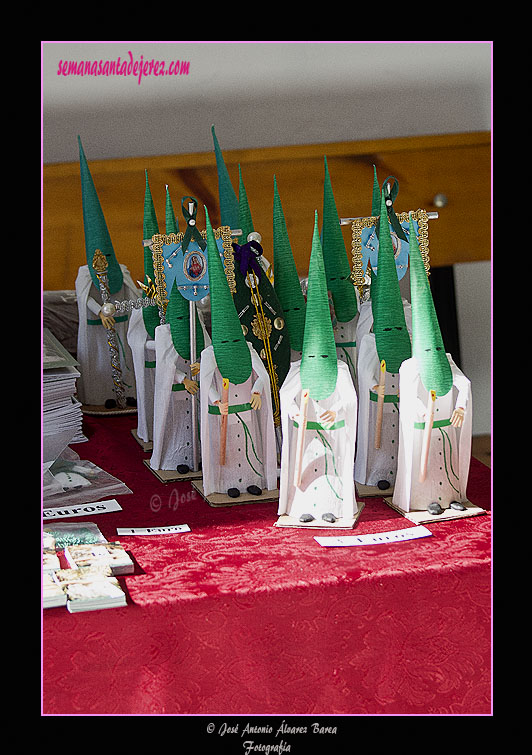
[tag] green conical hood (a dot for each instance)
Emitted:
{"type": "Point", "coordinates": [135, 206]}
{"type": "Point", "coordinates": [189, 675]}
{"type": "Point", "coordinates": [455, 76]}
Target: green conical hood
{"type": "Point", "coordinates": [376, 197]}
{"type": "Point", "coordinates": [230, 347]}
{"type": "Point", "coordinates": [337, 267]}
{"type": "Point", "coordinates": [319, 366]}
{"type": "Point", "coordinates": [286, 280]}
{"type": "Point", "coordinates": [427, 341]}
{"type": "Point", "coordinates": [150, 227]}
{"type": "Point", "coordinates": [96, 231]}
{"type": "Point", "coordinates": [178, 317]}
{"type": "Point", "coordinates": [389, 324]}
{"type": "Point", "coordinates": [226, 193]}
{"type": "Point", "coordinates": [172, 226]}
{"type": "Point", "coordinates": [245, 221]}
{"type": "Point", "coordinates": [372, 289]}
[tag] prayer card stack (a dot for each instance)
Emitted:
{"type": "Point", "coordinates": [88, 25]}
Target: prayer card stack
{"type": "Point", "coordinates": [90, 588]}
{"type": "Point", "coordinates": [113, 555]}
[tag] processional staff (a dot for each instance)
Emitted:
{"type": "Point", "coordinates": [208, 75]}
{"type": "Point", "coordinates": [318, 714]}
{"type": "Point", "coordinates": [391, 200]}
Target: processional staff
{"type": "Point", "coordinates": [109, 310]}
{"type": "Point", "coordinates": [192, 287]}
{"type": "Point", "coordinates": [429, 421]}
{"type": "Point", "coordinates": [100, 265]}
{"type": "Point", "coordinates": [348, 221]}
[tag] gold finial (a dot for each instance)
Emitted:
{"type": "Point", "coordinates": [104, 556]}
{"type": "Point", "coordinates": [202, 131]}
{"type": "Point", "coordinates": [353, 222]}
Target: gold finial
{"type": "Point", "coordinates": [149, 288]}
{"type": "Point", "coordinates": [99, 263]}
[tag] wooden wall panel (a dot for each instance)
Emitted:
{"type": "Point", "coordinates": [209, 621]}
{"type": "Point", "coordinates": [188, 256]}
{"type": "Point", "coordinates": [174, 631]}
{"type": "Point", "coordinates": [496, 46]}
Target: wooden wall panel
{"type": "Point", "coordinates": [457, 165]}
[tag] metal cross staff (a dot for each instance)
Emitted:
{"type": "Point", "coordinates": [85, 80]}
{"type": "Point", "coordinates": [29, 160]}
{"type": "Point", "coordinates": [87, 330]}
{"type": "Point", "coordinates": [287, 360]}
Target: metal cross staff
{"type": "Point", "coordinates": [358, 274]}
{"type": "Point", "coordinates": [100, 265]}
{"type": "Point", "coordinates": [109, 309]}
{"type": "Point", "coordinates": [193, 290]}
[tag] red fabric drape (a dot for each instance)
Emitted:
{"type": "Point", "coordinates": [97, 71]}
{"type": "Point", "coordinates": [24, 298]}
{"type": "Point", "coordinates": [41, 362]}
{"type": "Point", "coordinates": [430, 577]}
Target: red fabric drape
{"type": "Point", "coordinates": [241, 617]}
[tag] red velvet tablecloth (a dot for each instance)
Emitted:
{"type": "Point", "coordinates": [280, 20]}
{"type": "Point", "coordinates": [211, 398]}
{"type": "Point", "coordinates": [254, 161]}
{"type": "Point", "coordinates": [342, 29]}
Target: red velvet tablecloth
{"type": "Point", "coordinates": [240, 617]}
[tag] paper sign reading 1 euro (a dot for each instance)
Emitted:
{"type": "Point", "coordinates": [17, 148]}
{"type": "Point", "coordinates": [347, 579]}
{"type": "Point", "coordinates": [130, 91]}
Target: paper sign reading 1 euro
{"type": "Point", "coordinates": [170, 530]}
{"type": "Point", "coordinates": [380, 538]}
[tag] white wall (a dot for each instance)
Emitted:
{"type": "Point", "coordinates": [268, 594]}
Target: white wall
{"type": "Point", "coordinates": [268, 94]}
{"type": "Point", "coordinates": [261, 94]}
{"type": "Point", "coordinates": [472, 282]}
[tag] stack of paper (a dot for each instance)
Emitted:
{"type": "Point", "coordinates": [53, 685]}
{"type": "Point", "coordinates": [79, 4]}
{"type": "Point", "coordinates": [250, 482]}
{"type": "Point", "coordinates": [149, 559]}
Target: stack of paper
{"type": "Point", "coordinates": [113, 555]}
{"type": "Point", "coordinates": [50, 559]}
{"type": "Point", "coordinates": [61, 411]}
{"type": "Point", "coordinates": [90, 588]}
{"type": "Point", "coordinates": [53, 594]}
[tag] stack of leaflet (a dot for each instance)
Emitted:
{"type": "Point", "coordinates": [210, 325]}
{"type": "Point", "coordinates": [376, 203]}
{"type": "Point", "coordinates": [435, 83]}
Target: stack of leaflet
{"type": "Point", "coordinates": [52, 593]}
{"type": "Point", "coordinates": [90, 588]}
{"type": "Point", "coordinates": [61, 411]}
{"type": "Point", "coordinates": [113, 555]}
{"type": "Point", "coordinates": [50, 559]}
{"type": "Point", "coordinates": [90, 584]}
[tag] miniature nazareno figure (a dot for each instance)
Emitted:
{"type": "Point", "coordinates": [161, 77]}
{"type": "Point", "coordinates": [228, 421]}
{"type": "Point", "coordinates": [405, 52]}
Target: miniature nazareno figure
{"type": "Point", "coordinates": [237, 432]}
{"type": "Point", "coordinates": [380, 355]}
{"type": "Point", "coordinates": [319, 410]}
{"type": "Point", "coordinates": [436, 411]}
{"type": "Point", "coordinates": [96, 384]}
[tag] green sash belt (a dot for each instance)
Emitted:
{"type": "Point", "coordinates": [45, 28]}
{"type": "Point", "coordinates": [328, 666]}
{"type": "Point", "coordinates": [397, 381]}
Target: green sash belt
{"type": "Point", "coordinates": [149, 364]}
{"type": "Point", "coordinates": [178, 387]}
{"type": "Point", "coordinates": [345, 343]}
{"type": "Point", "coordinates": [120, 318]}
{"type": "Point", "coordinates": [232, 409]}
{"type": "Point", "coordinates": [319, 426]}
{"type": "Point", "coordinates": [389, 398]}
{"type": "Point", "coordinates": [437, 423]}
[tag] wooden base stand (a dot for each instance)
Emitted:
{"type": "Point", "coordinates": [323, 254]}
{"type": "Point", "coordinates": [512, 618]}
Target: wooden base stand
{"type": "Point", "coordinates": [102, 411]}
{"type": "Point", "coordinates": [372, 491]}
{"type": "Point", "coordinates": [145, 445]}
{"type": "Point", "coordinates": [319, 524]}
{"type": "Point", "coordinates": [218, 500]}
{"type": "Point", "coordinates": [424, 517]}
{"type": "Point", "coordinates": [172, 475]}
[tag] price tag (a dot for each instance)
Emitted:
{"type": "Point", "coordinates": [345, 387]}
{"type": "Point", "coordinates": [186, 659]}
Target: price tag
{"type": "Point", "coordinates": [380, 538]}
{"type": "Point", "coordinates": [171, 530]}
{"type": "Point", "coordinates": [66, 512]}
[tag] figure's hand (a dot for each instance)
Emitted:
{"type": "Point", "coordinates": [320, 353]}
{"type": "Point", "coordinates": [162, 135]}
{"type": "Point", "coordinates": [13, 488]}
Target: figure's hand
{"type": "Point", "coordinates": [191, 386]}
{"type": "Point", "coordinates": [107, 322]}
{"type": "Point", "coordinates": [255, 401]}
{"type": "Point", "coordinates": [328, 417]}
{"type": "Point", "coordinates": [378, 389]}
{"type": "Point", "coordinates": [224, 407]}
{"type": "Point", "coordinates": [457, 417]}
{"type": "Point", "coordinates": [194, 369]}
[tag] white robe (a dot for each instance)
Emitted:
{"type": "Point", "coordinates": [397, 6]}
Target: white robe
{"type": "Point", "coordinates": [143, 351]}
{"type": "Point", "coordinates": [95, 385]}
{"type": "Point", "coordinates": [365, 320]}
{"type": "Point", "coordinates": [172, 425]}
{"type": "Point", "coordinates": [450, 447]}
{"type": "Point", "coordinates": [251, 454]}
{"type": "Point", "coordinates": [327, 484]}
{"type": "Point", "coordinates": [345, 340]}
{"type": "Point", "coordinates": [371, 464]}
